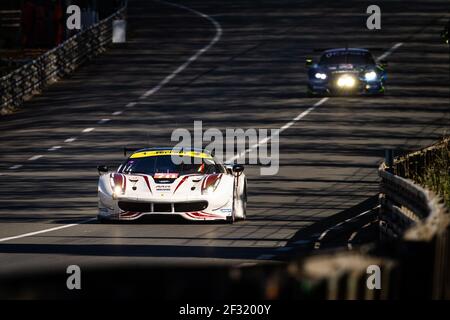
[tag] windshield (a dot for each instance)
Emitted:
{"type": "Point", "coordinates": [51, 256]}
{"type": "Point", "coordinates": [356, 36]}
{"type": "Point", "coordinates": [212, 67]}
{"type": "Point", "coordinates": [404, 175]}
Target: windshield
{"type": "Point", "coordinates": [343, 57]}
{"type": "Point", "coordinates": [164, 164]}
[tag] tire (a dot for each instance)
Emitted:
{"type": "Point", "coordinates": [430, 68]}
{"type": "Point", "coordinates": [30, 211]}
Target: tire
{"type": "Point", "coordinates": [104, 220]}
{"type": "Point", "coordinates": [244, 202]}
{"type": "Point", "coordinates": [101, 220]}
{"type": "Point", "coordinates": [233, 219]}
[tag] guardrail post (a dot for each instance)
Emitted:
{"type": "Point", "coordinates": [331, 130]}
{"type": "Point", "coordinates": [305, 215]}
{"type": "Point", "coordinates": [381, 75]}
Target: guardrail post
{"type": "Point", "coordinates": [389, 160]}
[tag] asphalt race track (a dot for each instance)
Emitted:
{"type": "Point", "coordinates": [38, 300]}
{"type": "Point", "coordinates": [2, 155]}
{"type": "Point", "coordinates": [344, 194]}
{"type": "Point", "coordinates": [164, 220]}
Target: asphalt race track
{"type": "Point", "coordinates": [251, 75]}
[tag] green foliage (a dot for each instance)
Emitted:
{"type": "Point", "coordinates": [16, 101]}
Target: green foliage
{"type": "Point", "coordinates": [429, 168]}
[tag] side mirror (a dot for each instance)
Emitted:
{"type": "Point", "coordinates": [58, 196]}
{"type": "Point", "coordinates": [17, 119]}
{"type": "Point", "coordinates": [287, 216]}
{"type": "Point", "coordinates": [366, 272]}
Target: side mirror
{"type": "Point", "coordinates": [102, 169]}
{"type": "Point", "coordinates": [383, 63]}
{"type": "Point", "coordinates": [238, 168]}
{"type": "Point", "coordinates": [309, 62]}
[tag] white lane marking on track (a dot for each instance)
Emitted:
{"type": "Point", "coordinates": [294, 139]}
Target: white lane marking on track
{"type": "Point", "coordinates": [17, 166]}
{"type": "Point", "coordinates": [117, 113]}
{"type": "Point", "coordinates": [30, 234]}
{"type": "Point", "coordinates": [147, 94]}
{"type": "Point", "coordinates": [192, 58]}
{"type": "Point", "coordinates": [103, 121]}
{"type": "Point", "coordinates": [277, 132]}
{"type": "Point", "coordinates": [36, 157]}
{"type": "Point", "coordinates": [131, 104]}
{"type": "Point", "coordinates": [389, 52]}
{"type": "Point", "coordinates": [54, 148]}
{"type": "Point", "coordinates": [69, 140]}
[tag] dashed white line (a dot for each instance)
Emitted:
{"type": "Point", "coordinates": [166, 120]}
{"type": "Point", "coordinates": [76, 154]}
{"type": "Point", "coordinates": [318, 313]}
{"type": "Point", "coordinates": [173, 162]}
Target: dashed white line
{"type": "Point", "coordinates": [36, 157]}
{"type": "Point", "coordinates": [117, 113]}
{"type": "Point", "coordinates": [277, 132]}
{"type": "Point", "coordinates": [103, 121]}
{"type": "Point", "coordinates": [88, 130]}
{"type": "Point", "coordinates": [192, 58]}
{"type": "Point", "coordinates": [69, 140]}
{"type": "Point", "coordinates": [15, 167]}
{"type": "Point", "coordinates": [30, 234]}
{"type": "Point", "coordinates": [54, 148]}
{"type": "Point", "coordinates": [131, 104]}
{"type": "Point", "coordinates": [389, 52]}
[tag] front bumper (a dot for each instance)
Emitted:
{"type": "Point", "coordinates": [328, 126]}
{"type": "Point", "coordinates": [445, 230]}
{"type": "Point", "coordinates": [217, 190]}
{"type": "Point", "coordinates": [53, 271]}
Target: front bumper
{"type": "Point", "coordinates": [361, 88]}
{"type": "Point", "coordinates": [191, 210]}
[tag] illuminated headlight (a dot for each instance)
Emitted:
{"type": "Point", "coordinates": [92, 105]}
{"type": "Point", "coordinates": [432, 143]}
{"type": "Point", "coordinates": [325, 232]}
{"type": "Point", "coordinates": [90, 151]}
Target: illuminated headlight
{"type": "Point", "coordinates": [209, 190]}
{"type": "Point", "coordinates": [117, 190]}
{"type": "Point", "coordinates": [320, 75]}
{"type": "Point", "coordinates": [370, 76]}
{"type": "Point", "coordinates": [346, 81]}
{"type": "Point", "coordinates": [210, 184]}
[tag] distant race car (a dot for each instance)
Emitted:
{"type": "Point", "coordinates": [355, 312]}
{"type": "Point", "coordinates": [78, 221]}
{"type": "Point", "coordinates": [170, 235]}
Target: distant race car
{"type": "Point", "coordinates": [346, 71]}
{"type": "Point", "coordinates": [444, 33]}
{"type": "Point", "coordinates": [149, 182]}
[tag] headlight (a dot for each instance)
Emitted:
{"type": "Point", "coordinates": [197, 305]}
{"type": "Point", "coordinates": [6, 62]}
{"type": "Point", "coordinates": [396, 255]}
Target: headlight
{"type": "Point", "coordinates": [320, 75]}
{"type": "Point", "coordinates": [118, 184]}
{"type": "Point", "coordinates": [209, 190]}
{"type": "Point", "coordinates": [346, 81]}
{"type": "Point", "coordinates": [370, 76]}
{"type": "Point", "coordinates": [210, 183]}
{"type": "Point", "coordinates": [117, 189]}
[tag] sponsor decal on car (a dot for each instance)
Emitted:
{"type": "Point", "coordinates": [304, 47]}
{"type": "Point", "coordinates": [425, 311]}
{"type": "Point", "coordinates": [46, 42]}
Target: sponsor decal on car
{"type": "Point", "coordinates": [163, 188]}
{"type": "Point", "coordinates": [166, 175]}
{"type": "Point", "coordinates": [156, 153]}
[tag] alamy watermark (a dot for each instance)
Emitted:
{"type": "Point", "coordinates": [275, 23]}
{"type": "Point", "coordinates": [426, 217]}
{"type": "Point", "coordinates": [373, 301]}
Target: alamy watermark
{"type": "Point", "coordinates": [373, 281]}
{"type": "Point", "coordinates": [74, 278]}
{"type": "Point", "coordinates": [374, 20]}
{"type": "Point", "coordinates": [74, 19]}
{"type": "Point", "coordinates": [234, 145]}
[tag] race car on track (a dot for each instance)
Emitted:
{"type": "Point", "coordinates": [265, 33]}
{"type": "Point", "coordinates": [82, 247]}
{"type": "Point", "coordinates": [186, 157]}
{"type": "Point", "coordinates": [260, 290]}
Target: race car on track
{"type": "Point", "coordinates": [346, 71]}
{"type": "Point", "coordinates": [194, 185]}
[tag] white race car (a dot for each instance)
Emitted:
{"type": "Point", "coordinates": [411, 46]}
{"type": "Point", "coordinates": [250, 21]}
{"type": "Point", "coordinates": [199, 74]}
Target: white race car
{"type": "Point", "coordinates": [149, 182]}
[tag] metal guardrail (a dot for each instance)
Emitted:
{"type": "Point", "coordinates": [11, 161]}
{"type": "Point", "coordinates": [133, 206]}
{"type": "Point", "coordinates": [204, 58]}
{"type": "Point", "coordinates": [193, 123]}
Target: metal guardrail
{"type": "Point", "coordinates": [413, 254]}
{"type": "Point", "coordinates": [420, 223]}
{"type": "Point", "coordinates": [32, 77]}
